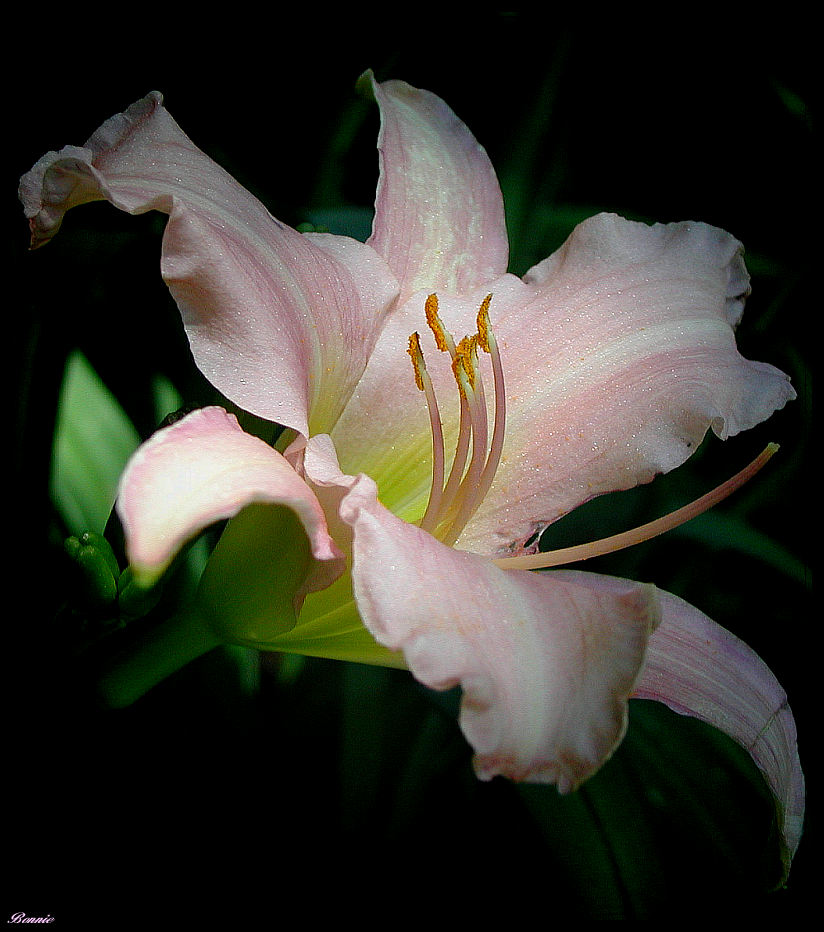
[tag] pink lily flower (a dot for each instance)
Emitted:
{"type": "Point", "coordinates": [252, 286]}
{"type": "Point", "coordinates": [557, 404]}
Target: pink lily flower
{"type": "Point", "coordinates": [438, 414]}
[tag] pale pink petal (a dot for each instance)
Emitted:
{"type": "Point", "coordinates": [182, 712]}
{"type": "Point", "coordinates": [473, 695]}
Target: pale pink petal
{"type": "Point", "coordinates": [281, 323]}
{"type": "Point", "coordinates": [617, 365]}
{"type": "Point", "coordinates": [202, 469]}
{"type": "Point", "coordinates": [617, 360]}
{"type": "Point", "coordinates": [699, 669]}
{"type": "Point", "coordinates": [546, 665]}
{"type": "Point", "coordinates": [439, 219]}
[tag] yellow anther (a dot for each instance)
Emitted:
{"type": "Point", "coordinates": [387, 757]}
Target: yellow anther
{"type": "Point", "coordinates": [417, 359]}
{"type": "Point", "coordinates": [483, 323]}
{"type": "Point", "coordinates": [466, 359]}
{"type": "Point", "coordinates": [435, 323]}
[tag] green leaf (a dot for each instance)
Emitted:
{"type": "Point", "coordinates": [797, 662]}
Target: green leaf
{"type": "Point", "coordinates": [93, 439]}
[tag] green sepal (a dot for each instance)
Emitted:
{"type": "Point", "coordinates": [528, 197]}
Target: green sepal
{"type": "Point", "coordinates": [250, 583]}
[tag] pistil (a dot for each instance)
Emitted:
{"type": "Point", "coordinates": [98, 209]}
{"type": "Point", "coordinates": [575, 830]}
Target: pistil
{"type": "Point", "coordinates": [643, 533]}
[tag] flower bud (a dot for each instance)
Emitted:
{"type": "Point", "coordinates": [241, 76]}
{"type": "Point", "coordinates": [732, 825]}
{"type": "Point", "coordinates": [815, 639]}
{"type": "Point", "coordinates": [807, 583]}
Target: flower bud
{"type": "Point", "coordinates": [96, 570]}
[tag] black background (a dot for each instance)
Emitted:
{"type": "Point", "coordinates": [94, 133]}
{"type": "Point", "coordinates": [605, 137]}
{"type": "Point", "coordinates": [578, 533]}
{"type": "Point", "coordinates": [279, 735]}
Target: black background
{"type": "Point", "coordinates": [190, 804]}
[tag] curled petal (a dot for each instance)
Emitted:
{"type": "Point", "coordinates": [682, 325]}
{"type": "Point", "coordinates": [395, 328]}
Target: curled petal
{"type": "Point", "coordinates": [280, 322]}
{"type": "Point", "coordinates": [699, 669]}
{"type": "Point", "coordinates": [546, 665]}
{"type": "Point", "coordinates": [439, 216]}
{"type": "Point", "coordinates": [204, 469]}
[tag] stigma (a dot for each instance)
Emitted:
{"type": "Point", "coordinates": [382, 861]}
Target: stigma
{"type": "Point", "coordinates": [454, 498]}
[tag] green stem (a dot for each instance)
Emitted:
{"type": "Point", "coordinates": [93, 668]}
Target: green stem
{"type": "Point", "coordinates": [167, 649]}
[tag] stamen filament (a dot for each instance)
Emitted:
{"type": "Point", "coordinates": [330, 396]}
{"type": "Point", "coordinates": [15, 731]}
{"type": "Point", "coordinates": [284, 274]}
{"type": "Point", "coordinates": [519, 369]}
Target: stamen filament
{"type": "Point", "coordinates": [465, 501]}
{"type": "Point", "coordinates": [456, 471]}
{"type": "Point", "coordinates": [451, 506]}
{"type": "Point", "coordinates": [640, 534]}
{"type": "Point", "coordinates": [487, 342]}
{"type": "Point", "coordinates": [424, 383]}
{"type": "Point", "coordinates": [476, 485]}
{"type": "Point", "coordinates": [445, 342]}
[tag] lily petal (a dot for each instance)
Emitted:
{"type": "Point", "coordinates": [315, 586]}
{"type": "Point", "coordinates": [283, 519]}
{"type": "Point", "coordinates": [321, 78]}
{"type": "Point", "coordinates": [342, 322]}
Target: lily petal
{"type": "Point", "coordinates": [439, 214]}
{"type": "Point", "coordinates": [281, 323]}
{"type": "Point", "coordinates": [633, 329]}
{"type": "Point", "coordinates": [546, 665]}
{"type": "Point", "coordinates": [702, 670]}
{"type": "Point", "coordinates": [618, 354]}
{"type": "Point", "coordinates": [203, 469]}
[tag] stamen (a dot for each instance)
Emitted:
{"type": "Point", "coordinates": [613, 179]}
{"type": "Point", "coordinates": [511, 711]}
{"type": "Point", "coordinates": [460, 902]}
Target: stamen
{"type": "Point", "coordinates": [456, 471]}
{"type": "Point", "coordinates": [466, 358]}
{"type": "Point", "coordinates": [452, 505]}
{"type": "Point", "coordinates": [424, 383]}
{"type": "Point", "coordinates": [477, 483]}
{"type": "Point", "coordinates": [416, 356]}
{"type": "Point", "coordinates": [488, 343]}
{"type": "Point", "coordinates": [459, 510]}
{"type": "Point", "coordinates": [483, 324]}
{"type": "Point", "coordinates": [443, 339]}
{"type": "Point", "coordinates": [445, 343]}
{"type": "Point", "coordinates": [645, 531]}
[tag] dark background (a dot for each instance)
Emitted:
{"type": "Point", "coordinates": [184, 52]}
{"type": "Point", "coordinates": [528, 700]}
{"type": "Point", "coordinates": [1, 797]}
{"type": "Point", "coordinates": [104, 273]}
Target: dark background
{"type": "Point", "coordinates": [349, 791]}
